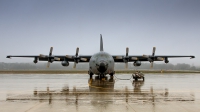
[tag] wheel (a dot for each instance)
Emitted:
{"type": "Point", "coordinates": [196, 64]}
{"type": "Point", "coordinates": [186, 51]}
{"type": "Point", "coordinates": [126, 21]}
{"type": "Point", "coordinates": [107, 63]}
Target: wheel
{"type": "Point", "coordinates": [111, 74]}
{"type": "Point", "coordinates": [136, 79]}
{"type": "Point", "coordinates": [91, 74]}
{"type": "Point", "coordinates": [143, 78]}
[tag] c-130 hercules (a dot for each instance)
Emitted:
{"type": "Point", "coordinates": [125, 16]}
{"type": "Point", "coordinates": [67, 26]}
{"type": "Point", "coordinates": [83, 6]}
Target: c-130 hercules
{"type": "Point", "coordinates": [100, 63]}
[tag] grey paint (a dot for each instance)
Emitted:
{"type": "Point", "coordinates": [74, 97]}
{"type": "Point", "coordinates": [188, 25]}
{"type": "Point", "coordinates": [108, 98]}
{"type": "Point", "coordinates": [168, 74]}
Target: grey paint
{"type": "Point", "coordinates": [100, 63]}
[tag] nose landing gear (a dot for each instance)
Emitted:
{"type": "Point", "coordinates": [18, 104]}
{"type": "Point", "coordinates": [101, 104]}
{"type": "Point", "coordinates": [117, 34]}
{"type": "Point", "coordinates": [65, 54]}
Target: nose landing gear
{"type": "Point", "coordinates": [111, 74]}
{"type": "Point", "coordinates": [101, 76]}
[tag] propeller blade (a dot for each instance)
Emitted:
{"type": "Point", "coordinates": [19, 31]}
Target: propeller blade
{"type": "Point", "coordinates": [127, 50]}
{"type": "Point", "coordinates": [134, 58]}
{"type": "Point", "coordinates": [119, 57]}
{"type": "Point", "coordinates": [48, 64]}
{"type": "Point", "coordinates": [153, 52]}
{"type": "Point", "coordinates": [151, 64]}
{"type": "Point", "coordinates": [74, 65]}
{"type": "Point", "coordinates": [56, 58]}
{"type": "Point", "coordinates": [51, 50]}
{"type": "Point", "coordinates": [83, 59]}
{"type": "Point", "coordinates": [42, 56]}
{"type": "Point", "coordinates": [126, 65]}
{"type": "Point", "coordinates": [77, 50]}
{"type": "Point", "coordinates": [150, 60]}
{"type": "Point", "coordinates": [68, 56]}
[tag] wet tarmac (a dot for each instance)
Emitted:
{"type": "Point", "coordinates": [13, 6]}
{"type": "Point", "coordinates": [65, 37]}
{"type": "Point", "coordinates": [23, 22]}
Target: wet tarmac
{"type": "Point", "coordinates": [77, 92]}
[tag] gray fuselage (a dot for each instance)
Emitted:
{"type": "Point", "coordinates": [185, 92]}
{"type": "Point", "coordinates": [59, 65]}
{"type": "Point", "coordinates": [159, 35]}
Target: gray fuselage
{"type": "Point", "coordinates": [101, 63]}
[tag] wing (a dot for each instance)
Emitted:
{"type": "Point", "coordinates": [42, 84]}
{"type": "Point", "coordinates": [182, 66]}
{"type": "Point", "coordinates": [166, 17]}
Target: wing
{"type": "Point", "coordinates": [51, 58]}
{"type": "Point", "coordinates": [132, 58]}
{"type": "Point", "coordinates": [150, 58]}
{"type": "Point", "coordinates": [70, 58]}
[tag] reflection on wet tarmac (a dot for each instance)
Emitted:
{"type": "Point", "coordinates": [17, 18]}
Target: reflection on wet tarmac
{"type": "Point", "coordinates": [137, 86]}
{"type": "Point", "coordinates": [102, 90]}
{"type": "Point", "coordinates": [101, 85]}
{"type": "Point", "coordinates": [102, 93]}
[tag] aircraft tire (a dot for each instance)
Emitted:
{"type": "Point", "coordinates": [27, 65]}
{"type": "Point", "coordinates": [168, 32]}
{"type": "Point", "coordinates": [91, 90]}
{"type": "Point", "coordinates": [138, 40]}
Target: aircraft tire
{"type": "Point", "coordinates": [111, 74]}
{"type": "Point", "coordinates": [90, 76]}
{"type": "Point", "coordinates": [136, 79]}
{"type": "Point", "coordinates": [90, 73]}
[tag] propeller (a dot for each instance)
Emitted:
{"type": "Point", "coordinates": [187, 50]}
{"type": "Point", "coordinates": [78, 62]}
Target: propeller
{"type": "Point", "coordinates": [49, 57]}
{"type": "Point", "coordinates": [153, 54]}
{"type": "Point", "coordinates": [126, 58]}
{"type": "Point", "coordinates": [151, 58]}
{"type": "Point", "coordinates": [76, 58]}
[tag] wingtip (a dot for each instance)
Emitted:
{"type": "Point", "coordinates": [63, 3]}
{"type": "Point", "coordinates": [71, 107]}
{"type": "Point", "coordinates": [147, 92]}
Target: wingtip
{"type": "Point", "coordinates": [8, 56]}
{"type": "Point", "coordinates": [192, 57]}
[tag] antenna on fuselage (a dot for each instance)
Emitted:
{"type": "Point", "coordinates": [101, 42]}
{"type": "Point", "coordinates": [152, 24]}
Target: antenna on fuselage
{"type": "Point", "coordinates": [101, 43]}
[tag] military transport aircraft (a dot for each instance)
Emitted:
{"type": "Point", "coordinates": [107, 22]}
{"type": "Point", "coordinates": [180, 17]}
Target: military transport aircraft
{"type": "Point", "coordinates": [100, 63]}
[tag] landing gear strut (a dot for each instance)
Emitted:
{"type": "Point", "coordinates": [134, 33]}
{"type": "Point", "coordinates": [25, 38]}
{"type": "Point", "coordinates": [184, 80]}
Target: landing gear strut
{"type": "Point", "coordinates": [91, 74]}
{"type": "Point", "coordinates": [111, 74]}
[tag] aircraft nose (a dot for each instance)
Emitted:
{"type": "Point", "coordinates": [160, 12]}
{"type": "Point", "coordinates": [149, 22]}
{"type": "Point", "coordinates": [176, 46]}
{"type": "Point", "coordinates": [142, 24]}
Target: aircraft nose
{"type": "Point", "coordinates": [102, 67]}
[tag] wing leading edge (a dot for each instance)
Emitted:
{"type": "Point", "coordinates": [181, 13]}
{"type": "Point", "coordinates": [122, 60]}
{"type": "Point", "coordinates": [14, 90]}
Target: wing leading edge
{"type": "Point", "coordinates": [132, 58]}
{"type": "Point", "coordinates": [69, 58]}
{"type": "Point", "coordinates": [116, 58]}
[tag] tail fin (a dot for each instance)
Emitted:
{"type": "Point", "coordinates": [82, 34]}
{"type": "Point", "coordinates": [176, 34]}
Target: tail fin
{"type": "Point", "coordinates": [101, 43]}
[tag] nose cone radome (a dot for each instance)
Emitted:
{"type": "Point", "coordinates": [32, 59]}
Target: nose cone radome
{"type": "Point", "coordinates": [102, 67]}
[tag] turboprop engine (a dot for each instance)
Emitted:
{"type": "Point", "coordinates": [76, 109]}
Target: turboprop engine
{"type": "Point", "coordinates": [166, 60]}
{"type": "Point", "coordinates": [35, 60]}
{"type": "Point", "coordinates": [65, 63]}
{"type": "Point", "coordinates": [137, 63]}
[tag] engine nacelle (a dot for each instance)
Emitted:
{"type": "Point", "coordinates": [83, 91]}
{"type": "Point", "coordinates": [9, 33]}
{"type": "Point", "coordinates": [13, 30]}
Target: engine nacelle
{"type": "Point", "coordinates": [35, 60]}
{"type": "Point", "coordinates": [65, 63]}
{"type": "Point", "coordinates": [166, 60]}
{"type": "Point", "coordinates": [137, 63]}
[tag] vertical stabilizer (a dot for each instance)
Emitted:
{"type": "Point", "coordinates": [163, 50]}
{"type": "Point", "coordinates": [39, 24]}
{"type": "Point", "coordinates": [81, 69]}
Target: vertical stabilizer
{"type": "Point", "coordinates": [101, 43]}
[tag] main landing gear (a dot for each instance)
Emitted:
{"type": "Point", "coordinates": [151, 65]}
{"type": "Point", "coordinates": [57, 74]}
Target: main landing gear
{"type": "Point", "coordinates": [91, 74]}
{"type": "Point", "coordinates": [101, 76]}
{"type": "Point", "coordinates": [111, 74]}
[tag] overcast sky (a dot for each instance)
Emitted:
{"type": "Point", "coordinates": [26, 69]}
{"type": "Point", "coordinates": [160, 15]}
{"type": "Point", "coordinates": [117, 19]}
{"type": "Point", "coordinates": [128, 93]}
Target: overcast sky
{"type": "Point", "coordinates": [31, 27]}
